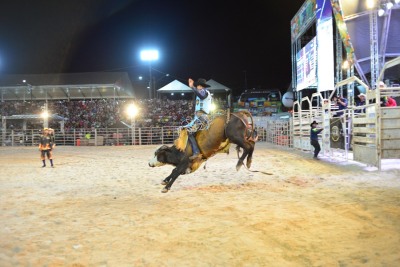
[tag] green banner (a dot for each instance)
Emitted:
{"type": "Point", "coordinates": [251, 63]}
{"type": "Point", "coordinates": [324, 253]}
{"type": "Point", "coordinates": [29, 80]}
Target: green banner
{"type": "Point", "coordinates": [341, 25]}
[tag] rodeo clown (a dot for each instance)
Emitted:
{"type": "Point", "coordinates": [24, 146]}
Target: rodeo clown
{"type": "Point", "coordinates": [202, 109]}
{"type": "Point", "coordinates": [46, 144]}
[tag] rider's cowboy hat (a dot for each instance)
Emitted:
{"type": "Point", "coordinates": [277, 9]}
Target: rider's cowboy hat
{"type": "Point", "coordinates": [202, 82]}
{"type": "Point", "coordinates": [314, 122]}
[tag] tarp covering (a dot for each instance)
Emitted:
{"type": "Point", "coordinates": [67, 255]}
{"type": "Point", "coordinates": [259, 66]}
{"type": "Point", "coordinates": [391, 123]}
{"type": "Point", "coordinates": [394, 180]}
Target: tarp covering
{"type": "Point", "coordinates": [357, 18]}
{"type": "Point", "coordinates": [65, 86]}
{"type": "Point", "coordinates": [216, 87]}
{"type": "Point", "coordinates": [179, 87]}
{"type": "Point", "coordinates": [175, 87]}
{"type": "Point", "coordinates": [33, 116]}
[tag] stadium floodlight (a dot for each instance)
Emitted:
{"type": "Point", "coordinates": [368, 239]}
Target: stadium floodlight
{"type": "Point", "coordinates": [149, 55]}
{"type": "Point", "coordinates": [345, 64]}
{"type": "Point", "coordinates": [381, 12]}
{"type": "Point", "coordinates": [370, 4]}
{"type": "Point", "coordinates": [45, 115]}
{"type": "Point", "coordinates": [389, 5]}
{"type": "Point", "coordinates": [132, 111]}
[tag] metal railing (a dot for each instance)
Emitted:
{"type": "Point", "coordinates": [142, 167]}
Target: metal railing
{"type": "Point", "coordinates": [276, 131]}
{"type": "Point", "coordinates": [95, 137]}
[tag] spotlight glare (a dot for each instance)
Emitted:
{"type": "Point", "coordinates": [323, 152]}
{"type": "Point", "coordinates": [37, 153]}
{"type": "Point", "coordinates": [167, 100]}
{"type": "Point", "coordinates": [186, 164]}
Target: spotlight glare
{"type": "Point", "coordinates": [370, 4]}
{"type": "Point", "coordinates": [389, 5]}
{"type": "Point", "coordinates": [381, 12]}
{"type": "Point", "coordinates": [132, 110]}
{"type": "Point", "coordinates": [213, 107]}
{"type": "Point", "coordinates": [345, 65]}
{"type": "Point", "coordinates": [45, 114]}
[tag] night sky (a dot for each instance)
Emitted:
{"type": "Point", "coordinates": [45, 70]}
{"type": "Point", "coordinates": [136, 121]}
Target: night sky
{"type": "Point", "coordinates": [245, 44]}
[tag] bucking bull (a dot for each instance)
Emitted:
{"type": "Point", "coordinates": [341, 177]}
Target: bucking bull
{"type": "Point", "coordinates": [236, 128]}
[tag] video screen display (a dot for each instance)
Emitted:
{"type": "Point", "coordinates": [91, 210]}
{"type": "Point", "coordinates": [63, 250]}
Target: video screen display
{"type": "Point", "coordinates": [306, 60]}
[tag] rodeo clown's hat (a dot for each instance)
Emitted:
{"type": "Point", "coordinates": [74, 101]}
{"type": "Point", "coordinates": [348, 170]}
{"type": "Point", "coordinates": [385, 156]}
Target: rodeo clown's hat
{"type": "Point", "coordinates": [314, 122]}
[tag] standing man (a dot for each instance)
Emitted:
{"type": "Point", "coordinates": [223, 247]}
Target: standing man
{"type": "Point", "coordinates": [46, 147]}
{"type": "Point", "coordinates": [201, 111]}
{"type": "Point", "coordinates": [314, 138]}
{"type": "Point", "coordinates": [340, 103]}
{"type": "Point", "coordinates": [361, 102]}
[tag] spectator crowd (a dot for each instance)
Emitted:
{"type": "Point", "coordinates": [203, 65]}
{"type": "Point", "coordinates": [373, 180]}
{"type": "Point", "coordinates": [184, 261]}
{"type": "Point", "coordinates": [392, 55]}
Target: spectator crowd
{"type": "Point", "coordinates": [105, 113]}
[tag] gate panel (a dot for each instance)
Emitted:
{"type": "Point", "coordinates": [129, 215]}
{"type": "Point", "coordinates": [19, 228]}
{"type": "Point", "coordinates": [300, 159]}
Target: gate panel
{"type": "Point", "coordinates": [365, 143]}
{"type": "Point", "coordinates": [390, 132]}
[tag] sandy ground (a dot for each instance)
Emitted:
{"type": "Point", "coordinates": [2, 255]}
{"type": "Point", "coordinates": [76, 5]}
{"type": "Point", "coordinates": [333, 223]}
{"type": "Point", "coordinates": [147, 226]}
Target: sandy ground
{"type": "Point", "coordinates": [102, 206]}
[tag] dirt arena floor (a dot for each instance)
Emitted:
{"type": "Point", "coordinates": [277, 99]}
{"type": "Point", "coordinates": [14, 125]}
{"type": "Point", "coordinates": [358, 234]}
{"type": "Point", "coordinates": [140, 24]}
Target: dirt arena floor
{"type": "Point", "coordinates": [102, 206]}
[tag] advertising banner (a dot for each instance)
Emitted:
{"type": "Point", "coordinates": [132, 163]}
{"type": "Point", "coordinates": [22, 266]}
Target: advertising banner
{"type": "Point", "coordinates": [325, 51]}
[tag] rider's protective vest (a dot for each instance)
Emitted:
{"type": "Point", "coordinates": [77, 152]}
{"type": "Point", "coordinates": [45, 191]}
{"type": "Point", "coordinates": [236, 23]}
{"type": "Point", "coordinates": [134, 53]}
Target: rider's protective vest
{"type": "Point", "coordinates": [205, 104]}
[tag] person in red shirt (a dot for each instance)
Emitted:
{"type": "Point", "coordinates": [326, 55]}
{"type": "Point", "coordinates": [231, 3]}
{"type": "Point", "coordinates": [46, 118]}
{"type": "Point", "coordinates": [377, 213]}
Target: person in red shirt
{"type": "Point", "coordinates": [389, 102]}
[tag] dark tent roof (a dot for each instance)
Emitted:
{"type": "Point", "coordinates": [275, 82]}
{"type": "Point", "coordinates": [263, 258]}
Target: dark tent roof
{"type": "Point", "coordinates": [216, 87]}
{"type": "Point", "coordinates": [66, 86]}
{"type": "Point", "coordinates": [357, 18]}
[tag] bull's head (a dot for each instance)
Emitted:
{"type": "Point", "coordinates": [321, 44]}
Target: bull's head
{"type": "Point", "coordinates": [160, 157]}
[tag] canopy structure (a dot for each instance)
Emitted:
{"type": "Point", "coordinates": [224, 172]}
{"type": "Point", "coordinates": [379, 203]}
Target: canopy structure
{"type": "Point", "coordinates": [175, 87]}
{"type": "Point", "coordinates": [374, 33]}
{"type": "Point", "coordinates": [179, 87]}
{"type": "Point", "coordinates": [217, 87]}
{"type": "Point", "coordinates": [34, 117]}
{"type": "Point", "coordinates": [65, 86]}
{"type": "Point", "coordinates": [31, 117]}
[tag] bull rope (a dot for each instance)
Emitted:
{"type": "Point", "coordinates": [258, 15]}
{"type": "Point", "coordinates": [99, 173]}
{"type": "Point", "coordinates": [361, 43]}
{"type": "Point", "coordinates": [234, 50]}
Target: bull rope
{"type": "Point", "coordinates": [248, 134]}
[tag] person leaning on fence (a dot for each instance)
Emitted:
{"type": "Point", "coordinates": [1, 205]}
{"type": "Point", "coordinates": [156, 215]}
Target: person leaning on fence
{"type": "Point", "coordinates": [387, 101]}
{"type": "Point", "coordinates": [341, 103]}
{"type": "Point", "coordinates": [46, 147]}
{"type": "Point", "coordinates": [361, 102]}
{"type": "Point", "coordinates": [314, 138]}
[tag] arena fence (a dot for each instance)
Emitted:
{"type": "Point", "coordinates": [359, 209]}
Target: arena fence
{"type": "Point", "coordinates": [273, 131]}
{"type": "Point", "coordinates": [95, 137]}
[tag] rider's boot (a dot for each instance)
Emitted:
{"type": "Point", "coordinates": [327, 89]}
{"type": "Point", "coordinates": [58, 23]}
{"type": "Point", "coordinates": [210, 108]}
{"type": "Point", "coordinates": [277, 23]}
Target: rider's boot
{"type": "Point", "coordinates": [196, 151]}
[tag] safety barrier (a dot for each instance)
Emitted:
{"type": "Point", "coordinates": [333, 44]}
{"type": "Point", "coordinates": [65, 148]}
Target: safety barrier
{"type": "Point", "coordinates": [372, 134]}
{"type": "Point", "coordinates": [94, 137]}
{"type": "Point", "coordinates": [274, 131]}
